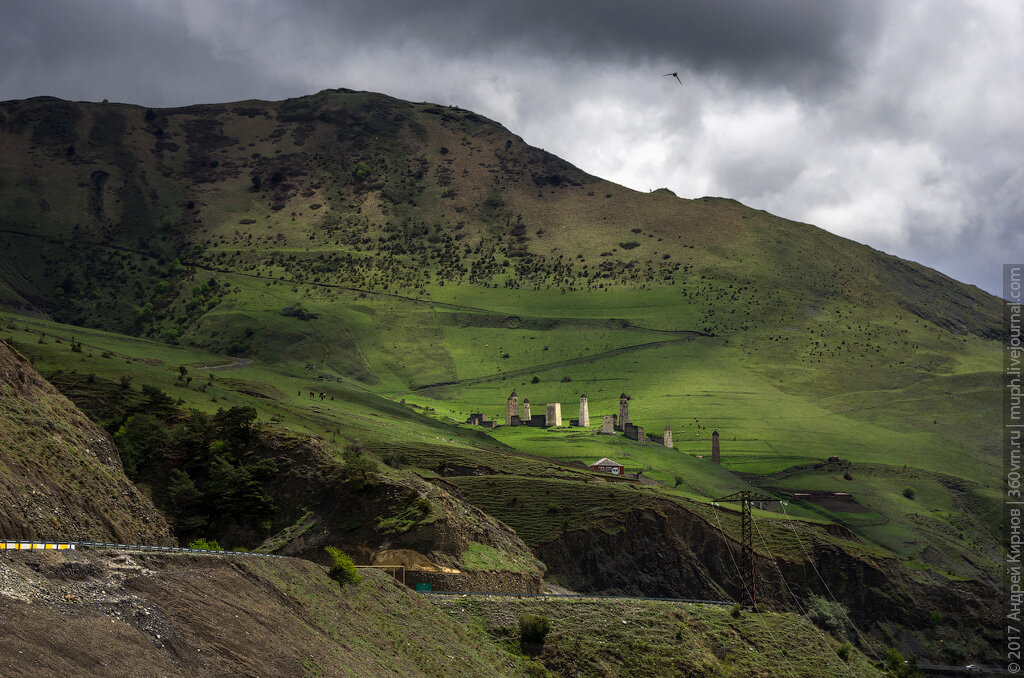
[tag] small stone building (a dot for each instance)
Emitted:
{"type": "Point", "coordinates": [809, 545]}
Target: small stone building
{"type": "Point", "coordinates": [478, 419]}
{"type": "Point", "coordinates": [634, 432]}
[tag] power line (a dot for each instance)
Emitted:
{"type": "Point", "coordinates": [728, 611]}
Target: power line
{"type": "Point", "coordinates": [763, 623]}
{"type": "Point", "coordinates": [746, 498]}
{"type": "Point", "coordinates": [842, 608]}
{"type": "Point", "coordinates": [793, 595]}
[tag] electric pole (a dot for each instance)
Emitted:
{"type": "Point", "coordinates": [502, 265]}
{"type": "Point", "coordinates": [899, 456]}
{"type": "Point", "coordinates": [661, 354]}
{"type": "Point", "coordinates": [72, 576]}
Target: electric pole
{"type": "Point", "coordinates": [748, 575]}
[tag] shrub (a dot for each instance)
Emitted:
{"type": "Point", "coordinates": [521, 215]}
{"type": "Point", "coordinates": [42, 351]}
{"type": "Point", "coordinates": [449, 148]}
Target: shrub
{"type": "Point", "coordinates": [533, 628]}
{"type": "Point", "coordinates": [828, 615]}
{"type": "Point", "coordinates": [343, 570]}
{"type": "Point", "coordinates": [361, 171]}
{"type": "Point", "coordinates": [629, 245]}
{"type": "Point", "coordinates": [358, 464]}
{"type": "Point", "coordinates": [909, 492]}
{"type": "Point", "coordinates": [535, 380]}
{"type": "Point", "coordinates": [844, 651]}
{"type": "Point", "coordinates": [396, 458]}
{"type": "Point", "coordinates": [935, 617]}
{"type": "Point", "coordinates": [736, 610]}
{"type": "Point", "coordinates": [899, 667]}
{"type": "Point", "coordinates": [205, 544]}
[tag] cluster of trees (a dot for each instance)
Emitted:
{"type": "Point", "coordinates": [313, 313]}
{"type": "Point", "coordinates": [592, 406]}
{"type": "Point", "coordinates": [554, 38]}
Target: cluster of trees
{"type": "Point", "coordinates": [194, 463]}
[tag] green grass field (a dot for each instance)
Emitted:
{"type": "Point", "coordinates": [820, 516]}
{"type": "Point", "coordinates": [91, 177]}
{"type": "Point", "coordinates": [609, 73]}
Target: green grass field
{"type": "Point", "coordinates": [459, 264]}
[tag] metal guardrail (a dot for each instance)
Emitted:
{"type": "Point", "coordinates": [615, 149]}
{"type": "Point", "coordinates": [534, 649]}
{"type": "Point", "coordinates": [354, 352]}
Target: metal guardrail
{"type": "Point", "coordinates": [32, 545]}
{"type": "Point", "coordinates": [579, 596]}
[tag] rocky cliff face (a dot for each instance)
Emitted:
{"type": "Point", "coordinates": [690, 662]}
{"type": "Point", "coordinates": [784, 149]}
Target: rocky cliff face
{"type": "Point", "coordinates": [60, 474]}
{"type": "Point", "coordinates": [674, 553]}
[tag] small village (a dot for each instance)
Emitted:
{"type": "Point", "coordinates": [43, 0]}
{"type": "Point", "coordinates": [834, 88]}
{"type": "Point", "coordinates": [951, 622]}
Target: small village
{"type": "Point", "coordinates": [610, 425]}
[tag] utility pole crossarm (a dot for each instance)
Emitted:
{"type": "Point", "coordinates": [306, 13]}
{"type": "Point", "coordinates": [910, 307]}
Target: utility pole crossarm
{"type": "Point", "coordinates": [745, 495]}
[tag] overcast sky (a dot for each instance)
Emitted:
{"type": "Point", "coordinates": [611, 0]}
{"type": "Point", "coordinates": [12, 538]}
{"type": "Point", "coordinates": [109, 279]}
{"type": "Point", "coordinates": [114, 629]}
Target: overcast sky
{"type": "Point", "coordinates": [895, 123]}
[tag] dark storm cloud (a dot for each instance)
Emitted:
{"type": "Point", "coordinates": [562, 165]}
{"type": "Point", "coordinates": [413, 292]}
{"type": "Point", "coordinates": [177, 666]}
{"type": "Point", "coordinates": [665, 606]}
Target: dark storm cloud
{"type": "Point", "coordinates": [784, 40]}
{"type": "Point", "coordinates": [895, 124]}
{"type": "Point", "coordinates": [116, 50]}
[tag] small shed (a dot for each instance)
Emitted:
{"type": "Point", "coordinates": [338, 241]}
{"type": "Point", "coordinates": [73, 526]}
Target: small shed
{"type": "Point", "coordinates": [606, 465]}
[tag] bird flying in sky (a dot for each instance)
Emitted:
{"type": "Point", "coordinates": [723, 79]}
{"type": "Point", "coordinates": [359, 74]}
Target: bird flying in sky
{"type": "Point", "coordinates": [673, 75]}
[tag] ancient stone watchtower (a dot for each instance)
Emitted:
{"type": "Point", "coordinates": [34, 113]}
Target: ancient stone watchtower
{"type": "Point", "coordinates": [623, 411]}
{"type": "Point", "coordinates": [584, 412]}
{"type": "Point", "coordinates": [526, 410]}
{"type": "Point", "coordinates": [667, 441]}
{"type": "Point", "coordinates": [512, 409]}
{"type": "Point", "coordinates": [716, 455]}
{"type": "Point", "coordinates": [554, 414]}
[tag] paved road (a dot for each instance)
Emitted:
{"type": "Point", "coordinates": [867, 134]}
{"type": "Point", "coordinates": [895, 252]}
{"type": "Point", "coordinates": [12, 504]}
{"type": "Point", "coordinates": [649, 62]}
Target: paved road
{"type": "Point", "coordinates": [32, 545]}
{"type": "Point", "coordinates": [576, 596]}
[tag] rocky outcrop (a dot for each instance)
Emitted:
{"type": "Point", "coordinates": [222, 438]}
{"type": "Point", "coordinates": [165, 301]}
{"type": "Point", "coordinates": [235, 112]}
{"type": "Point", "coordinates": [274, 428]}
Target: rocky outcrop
{"type": "Point", "coordinates": [60, 474]}
{"type": "Point", "coordinates": [672, 552]}
{"type": "Point", "coordinates": [321, 504]}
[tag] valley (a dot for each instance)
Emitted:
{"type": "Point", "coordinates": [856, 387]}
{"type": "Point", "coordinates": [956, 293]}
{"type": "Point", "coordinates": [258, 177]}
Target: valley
{"type": "Point", "coordinates": [364, 273]}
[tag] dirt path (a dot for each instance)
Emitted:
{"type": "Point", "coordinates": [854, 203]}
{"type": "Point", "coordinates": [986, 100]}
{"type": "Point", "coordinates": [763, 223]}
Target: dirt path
{"type": "Point", "coordinates": [565, 363]}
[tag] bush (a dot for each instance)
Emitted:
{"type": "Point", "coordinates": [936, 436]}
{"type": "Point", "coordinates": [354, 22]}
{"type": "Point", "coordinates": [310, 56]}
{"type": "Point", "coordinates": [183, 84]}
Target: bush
{"type": "Point", "coordinates": [736, 610]}
{"type": "Point", "coordinates": [899, 667]}
{"type": "Point", "coordinates": [909, 492]}
{"type": "Point", "coordinates": [844, 651]}
{"type": "Point", "coordinates": [396, 458]}
{"type": "Point", "coordinates": [343, 570]}
{"type": "Point", "coordinates": [935, 617]}
{"type": "Point", "coordinates": [828, 615]}
{"type": "Point", "coordinates": [533, 628]}
{"type": "Point", "coordinates": [361, 171]}
{"type": "Point", "coordinates": [205, 544]}
{"type": "Point", "coordinates": [358, 464]}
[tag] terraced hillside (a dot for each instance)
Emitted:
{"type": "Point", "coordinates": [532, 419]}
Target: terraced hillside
{"type": "Point", "coordinates": [408, 264]}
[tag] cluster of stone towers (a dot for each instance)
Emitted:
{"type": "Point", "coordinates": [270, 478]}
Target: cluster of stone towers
{"type": "Point", "coordinates": [553, 417]}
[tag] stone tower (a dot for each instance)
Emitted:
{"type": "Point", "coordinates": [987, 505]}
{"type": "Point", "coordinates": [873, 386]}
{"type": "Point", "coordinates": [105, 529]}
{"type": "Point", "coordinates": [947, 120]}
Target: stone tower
{"type": "Point", "coordinates": [554, 415]}
{"type": "Point", "coordinates": [526, 410]}
{"type": "Point", "coordinates": [584, 412]}
{"type": "Point", "coordinates": [623, 411]}
{"type": "Point", "coordinates": [511, 408]}
{"type": "Point", "coordinates": [668, 436]}
{"type": "Point", "coordinates": [716, 455]}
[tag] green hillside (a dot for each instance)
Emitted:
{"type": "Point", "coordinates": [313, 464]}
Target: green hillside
{"type": "Point", "coordinates": [416, 263]}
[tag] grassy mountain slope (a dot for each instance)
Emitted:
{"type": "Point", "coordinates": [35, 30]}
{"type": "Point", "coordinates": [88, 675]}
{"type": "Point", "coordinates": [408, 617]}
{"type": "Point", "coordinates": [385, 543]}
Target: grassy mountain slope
{"type": "Point", "coordinates": [415, 263]}
{"type": "Point", "coordinates": [141, 614]}
{"type": "Point", "coordinates": [117, 615]}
